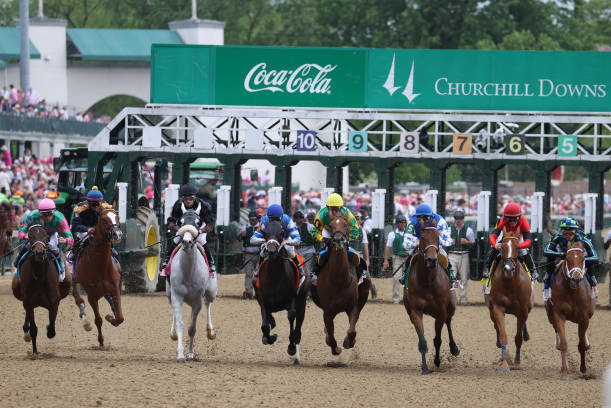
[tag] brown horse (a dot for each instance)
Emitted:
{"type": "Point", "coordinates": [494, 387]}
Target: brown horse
{"type": "Point", "coordinates": [571, 300]}
{"type": "Point", "coordinates": [511, 293]}
{"type": "Point", "coordinates": [99, 274]}
{"type": "Point", "coordinates": [338, 289]}
{"type": "Point", "coordinates": [277, 290]}
{"type": "Point", "coordinates": [6, 231]}
{"type": "Point", "coordinates": [429, 293]}
{"type": "Point", "coordinates": [37, 284]}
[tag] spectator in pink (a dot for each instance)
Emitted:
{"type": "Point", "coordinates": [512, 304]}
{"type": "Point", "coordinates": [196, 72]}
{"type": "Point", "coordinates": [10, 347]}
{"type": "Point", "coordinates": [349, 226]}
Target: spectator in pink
{"type": "Point", "coordinates": [5, 156]}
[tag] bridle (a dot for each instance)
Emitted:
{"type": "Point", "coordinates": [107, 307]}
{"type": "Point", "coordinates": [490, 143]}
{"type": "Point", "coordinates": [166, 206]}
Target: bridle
{"type": "Point", "coordinates": [510, 263]}
{"type": "Point", "coordinates": [114, 230]}
{"type": "Point", "coordinates": [580, 272]}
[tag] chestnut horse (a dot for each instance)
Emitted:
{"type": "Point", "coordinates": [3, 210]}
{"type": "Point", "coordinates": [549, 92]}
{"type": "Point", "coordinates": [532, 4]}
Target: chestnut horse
{"type": "Point", "coordinates": [510, 292]}
{"type": "Point", "coordinates": [429, 293]}
{"type": "Point", "coordinates": [338, 289]}
{"type": "Point", "coordinates": [571, 300]}
{"type": "Point", "coordinates": [99, 274]}
{"type": "Point", "coordinates": [277, 290]}
{"type": "Point", "coordinates": [37, 284]}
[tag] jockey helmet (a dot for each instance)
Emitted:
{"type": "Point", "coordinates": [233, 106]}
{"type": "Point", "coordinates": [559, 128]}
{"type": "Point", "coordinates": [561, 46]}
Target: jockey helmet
{"type": "Point", "coordinates": [275, 210]}
{"type": "Point", "coordinates": [569, 223]}
{"type": "Point", "coordinates": [335, 200]}
{"type": "Point", "coordinates": [95, 194]}
{"type": "Point", "coordinates": [253, 215]}
{"type": "Point", "coordinates": [187, 190]}
{"type": "Point", "coordinates": [459, 214]}
{"type": "Point", "coordinates": [46, 206]}
{"type": "Point", "coordinates": [424, 209]}
{"type": "Point", "coordinates": [298, 215]}
{"type": "Point", "coordinates": [512, 210]}
{"type": "Point", "coordinates": [400, 218]}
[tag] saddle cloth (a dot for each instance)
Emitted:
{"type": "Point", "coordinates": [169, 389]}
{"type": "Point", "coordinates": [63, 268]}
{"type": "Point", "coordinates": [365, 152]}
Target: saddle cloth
{"type": "Point", "coordinates": [168, 268]}
{"type": "Point", "coordinates": [441, 258]}
{"type": "Point", "coordinates": [488, 281]}
{"type": "Point", "coordinates": [299, 258]}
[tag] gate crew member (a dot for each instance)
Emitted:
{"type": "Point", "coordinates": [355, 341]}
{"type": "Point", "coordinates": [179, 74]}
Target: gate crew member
{"type": "Point", "coordinates": [306, 249]}
{"type": "Point", "coordinates": [463, 240]}
{"type": "Point", "coordinates": [394, 243]}
{"type": "Point", "coordinates": [361, 246]}
{"type": "Point", "coordinates": [251, 253]}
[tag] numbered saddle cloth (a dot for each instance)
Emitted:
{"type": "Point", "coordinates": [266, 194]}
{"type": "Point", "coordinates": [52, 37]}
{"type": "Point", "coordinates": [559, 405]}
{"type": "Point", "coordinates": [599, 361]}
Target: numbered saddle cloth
{"type": "Point", "coordinates": [441, 258]}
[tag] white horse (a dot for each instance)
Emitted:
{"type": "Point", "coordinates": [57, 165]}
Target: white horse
{"type": "Point", "coordinates": [189, 282]}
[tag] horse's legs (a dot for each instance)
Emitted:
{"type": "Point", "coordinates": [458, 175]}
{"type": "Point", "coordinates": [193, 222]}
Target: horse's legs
{"type": "Point", "coordinates": [437, 340]}
{"type": "Point", "coordinates": [453, 347]}
{"type": "Point", "coordinates": [291, 312]}
{"type": "Point", "coordinates": [117, 310]}
{"type": "Point", "coordinates": [196, 307]}
{"type": "Point", "coordinates": [210, 333]}
{"type": "Point", "coordinates": [52, 317]}
{"type": "Point", "coordinates": [26, 329]}
{"type": "Point", "coordinates": [33, 329]}
{"type": "Point", "coordinates": [299, 316]}
{"type": "Point", "coordinates": [98, 319]}
{"type": "Point", "coordinates": [563, 346]}
{"type": "Point", "coordinates": [80, 303]}
{"type": "Point", "coordinates": [583, 342]}
{"type": "Point", "coordinates": [521, 328]}
{"type": "Point", "coordinates": [330, 331]}
{"type": "Point", "coordinates": [266, 327]}
{"type": "Point", "coordinates": [496, 327]}
{"type": "Point", "coordinates": [353, 317]}
{"type": "Point", "coordinates": [416, 318]}
{"type": "Point", "coordinates": [180, 327]}
{"type": "Point", "coordinates": [499, 319]}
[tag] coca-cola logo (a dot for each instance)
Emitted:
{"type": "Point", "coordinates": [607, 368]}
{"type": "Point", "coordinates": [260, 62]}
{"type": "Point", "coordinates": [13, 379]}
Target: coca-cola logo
{"type": "Point", "coordinates": [307, 78]}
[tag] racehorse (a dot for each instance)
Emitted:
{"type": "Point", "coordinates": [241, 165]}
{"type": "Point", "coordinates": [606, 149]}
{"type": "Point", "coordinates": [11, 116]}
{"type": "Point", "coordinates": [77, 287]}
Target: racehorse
{"type": "Point", "coordinates": [37, 284]}
{"type": "Point", "coordinates": [277, 289]}
{"type": "Point", "coordinates": [510, 292]}
{"type": "Point", "coordinates": [99, 274]}
{"type": "Point", "coordinates": [571, 300]}
{"type": "Point", "coordinates": [6, 231]}
{"type": "Point", "coordinates": [189, 281]}
{"type": "Point", "coordinates": [338, 289]}
{"type": "Point", "coordinates": [429, 293]}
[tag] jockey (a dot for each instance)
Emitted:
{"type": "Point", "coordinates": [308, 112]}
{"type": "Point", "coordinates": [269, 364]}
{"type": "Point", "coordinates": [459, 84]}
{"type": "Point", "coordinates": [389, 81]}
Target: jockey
{"type": "Point", "coordinates": [555, 250]}
{"type": "Point", "coordinates": [425, 213]}
{"type": "Point", "coordinates": [188, 201]}
{"type": "Point", "coordinates": [512, 221]}
{"type": "Point", "coordinates": [85, 218]}
{"type": "Point", "coordinates": [53, 222]}
{"type": "Point", "coordinates": [291, 235]}
{"type": "Point", "coordinates": [320, 232]}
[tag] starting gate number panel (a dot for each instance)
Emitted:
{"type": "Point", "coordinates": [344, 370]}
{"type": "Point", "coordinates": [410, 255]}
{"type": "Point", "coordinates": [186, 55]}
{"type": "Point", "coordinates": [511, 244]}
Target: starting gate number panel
{"type": "Point", "coordinates": [306, 140]}
{"type": "Point", "coordinates": [514, 144]}
{"type": "Point", "coordinates": [357, 141]}
{"type": "Point", "coordinates": [462, 143]}
{"type": "Point", "coordinates": [567, 145]}
{"type": "Point", "coordinates": [410, 142]}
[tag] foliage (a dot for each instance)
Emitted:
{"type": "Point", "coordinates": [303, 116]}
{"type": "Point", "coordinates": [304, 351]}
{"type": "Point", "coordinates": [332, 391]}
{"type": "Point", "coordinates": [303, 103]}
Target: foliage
{"type": "Point", "coordinates": [112, 105]}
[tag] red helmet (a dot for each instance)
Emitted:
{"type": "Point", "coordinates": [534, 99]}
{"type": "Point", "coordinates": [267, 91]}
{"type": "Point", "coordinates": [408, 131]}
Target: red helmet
{"type": "Point", "coordinates": [512, 210]}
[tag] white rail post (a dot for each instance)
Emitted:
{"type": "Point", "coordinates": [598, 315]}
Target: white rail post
{"type": "Point", "coordinates": [483, 211]}
{"type": "Point", "coordinates": [430, 198]}
{"type": "Point", "coordinates": [122, 202]}
{"type": "Point", "coordinates": [223, 205]}
{"type": "Point", "coordinates": [171, 196]}
{"type": "Point", "coordinates": [326, 192]}
{"type": "Point", "coordinates": [377, 208]}
{"type": "Point", "coordinates": [275, 196]}
{"type": "Point", "coordinates": [536, 221]}
{"type": "Point", "coordinates": [590, 213]}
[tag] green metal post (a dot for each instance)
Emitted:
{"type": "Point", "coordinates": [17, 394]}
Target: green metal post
{"type": "Point", "coordinates": [490, 183]}
{"type": "Point", "coordinates": [438, 182]}
{"type": "Point", "coordinates": [232, 177]}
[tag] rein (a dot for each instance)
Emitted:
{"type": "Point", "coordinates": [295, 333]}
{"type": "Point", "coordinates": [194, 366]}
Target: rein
{"type": "Point", "coordinates": [580, 271]}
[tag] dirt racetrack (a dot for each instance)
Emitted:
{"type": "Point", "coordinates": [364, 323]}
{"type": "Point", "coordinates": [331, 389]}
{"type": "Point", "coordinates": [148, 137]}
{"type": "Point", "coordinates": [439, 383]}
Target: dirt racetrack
{"type": "Point", "coordinates": [138, 368]}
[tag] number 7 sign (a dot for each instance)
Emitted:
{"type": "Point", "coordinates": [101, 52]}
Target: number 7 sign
{"type": "Point", "coordinates": [462, 143]}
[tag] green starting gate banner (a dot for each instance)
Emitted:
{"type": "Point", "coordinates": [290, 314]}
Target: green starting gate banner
{"type": "Point", "coordinates": [560, 81]}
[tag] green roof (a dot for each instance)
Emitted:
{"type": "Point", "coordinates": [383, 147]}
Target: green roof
{"type": "Point", "coordinates": [109, 44]}
{"type": "Point", "coordinates": [10, 44]}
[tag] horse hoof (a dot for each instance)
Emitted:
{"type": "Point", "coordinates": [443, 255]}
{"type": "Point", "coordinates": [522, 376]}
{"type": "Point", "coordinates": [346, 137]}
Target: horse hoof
{"type": "Point", "coordinates": [426, 371]}
{"type": "Point", "coordinates": [211, 334]}
{"type": "Point", "coordinates": [87, 325]}
{"type": "Point", "coordinates": [336, 351]}
{"type": "Point", "coordinates": [296, 362]}
{"type": "Point", "coordinates": [291, 350]}
{"type": "Point", "coordinates": [190, 356]}
{"type": "Point", "coordinates": [516, 366]}
{"type": "Point", "coordinates": [269, 340]}
{"type": "Point", "coordinates": [437, 362]}
{"type": "Point", "coordinates": [27, 338]}
{"type": "Point", "coordinates": [181, 360]}
{"type": "Point", "coordinates": [565, 378]}
{"type": "Point", "coordinates": [50, 332]}
{"type": "Point", "coordinates": [505, 369]}
{"type": "Point", "coordinates": [498, 344]}
{"type": "Point", "coordinates": [454, 350]}
{"type": "Point", "coordinates": [174, 336]}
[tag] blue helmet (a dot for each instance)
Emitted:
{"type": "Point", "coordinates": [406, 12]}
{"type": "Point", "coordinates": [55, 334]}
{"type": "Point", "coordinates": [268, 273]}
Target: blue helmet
{"type": "Point", "coordinates": [95, 194]}
{"type": "Point", "coordinates": [275, 210]}
{"type": "Point", "coordinates": [424, 209]}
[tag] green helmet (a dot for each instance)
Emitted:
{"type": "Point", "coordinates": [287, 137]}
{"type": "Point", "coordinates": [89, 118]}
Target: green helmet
{"type": "Point", "coordinates": [569, 223]}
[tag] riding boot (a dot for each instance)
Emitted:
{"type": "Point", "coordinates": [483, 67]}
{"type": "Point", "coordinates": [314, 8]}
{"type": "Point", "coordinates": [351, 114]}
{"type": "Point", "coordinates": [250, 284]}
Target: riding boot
{"type": "Point", "coordinates": [406, 276]}
{"type": "Point", "coordinates": [403, 278]}
{"type": "Point", "coordinates": [530, 264]}
{"type": "Point", "coordinates": [451, 276]}
{"type": "Point", "coordinates": [210, 259]}
{"type": "Point", "coordinates": [299, 267]}
{"type": "Point", "coordinates": [491, 257]}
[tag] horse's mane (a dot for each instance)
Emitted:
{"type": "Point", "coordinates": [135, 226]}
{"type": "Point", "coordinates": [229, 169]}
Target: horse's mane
{"type": "Point", "coordinates": [274, 230]}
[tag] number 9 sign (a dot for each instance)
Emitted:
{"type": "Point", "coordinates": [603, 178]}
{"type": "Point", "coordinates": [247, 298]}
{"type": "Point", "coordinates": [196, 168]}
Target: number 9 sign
{"type": "Point", "coordinates": [357, 141]}
{"type": "Point", "coordinates": [514, 144]}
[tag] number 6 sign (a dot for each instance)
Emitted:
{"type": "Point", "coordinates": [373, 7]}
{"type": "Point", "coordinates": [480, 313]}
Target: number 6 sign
{"type": "Point", "coordinates": [410, 142]}
{"type": "Point", "coordinates": [514, 144]}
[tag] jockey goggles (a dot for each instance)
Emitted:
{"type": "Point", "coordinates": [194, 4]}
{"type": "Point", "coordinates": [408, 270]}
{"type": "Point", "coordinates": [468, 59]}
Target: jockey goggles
{"type": "Point", "coordinates": [189, 197]}
{"type": "Point", "coordinates": [47, 213]}
{"type": "Point", "coordinates": [513, 218]}
{"type": "Point", "coordinates": [424, 217]}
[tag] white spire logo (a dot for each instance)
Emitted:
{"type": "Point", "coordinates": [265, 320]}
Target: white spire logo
{"type": "Point", "coordinates": [408, 92]}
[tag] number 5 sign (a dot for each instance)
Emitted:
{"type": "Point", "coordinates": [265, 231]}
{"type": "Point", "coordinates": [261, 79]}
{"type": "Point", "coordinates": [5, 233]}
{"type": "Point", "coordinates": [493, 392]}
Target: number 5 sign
{"type": "Point", "coordinates": [410, 142]}
{"type": "Point", "coordinates": [567, 145]}
{"type": "Point", "coordinates": [357, 141]}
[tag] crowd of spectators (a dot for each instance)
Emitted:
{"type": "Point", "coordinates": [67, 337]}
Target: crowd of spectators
{"type": "Point", "coordinates": [14, 102]}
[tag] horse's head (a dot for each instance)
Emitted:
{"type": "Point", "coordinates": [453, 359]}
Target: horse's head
{"type": "Point", "coordinates": [429, 243]}
{"type": "Point", "coordinates": [510, 248]}
{"type": "Point", "coordinates": [274, 234]}
{"type": "Point", "coordinates": [38, 239]}
{"type": "Point", "coordinates": [5, 227]}
{"type": "Point", "coordinates": [190, 224]}
{"type": "Point", "coordinates": [109, 226]}
{"type": "Point", "coordinates": [574, 263]}
{"type": "Point", "coordinates": [338, 227]}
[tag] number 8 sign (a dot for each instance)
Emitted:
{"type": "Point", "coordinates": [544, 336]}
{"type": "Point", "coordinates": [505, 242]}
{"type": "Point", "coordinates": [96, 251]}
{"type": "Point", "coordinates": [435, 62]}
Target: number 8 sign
{"type": "Point", "coordinates": [357, 141]}
{"type": "Point", "coordinates": [410, 142]}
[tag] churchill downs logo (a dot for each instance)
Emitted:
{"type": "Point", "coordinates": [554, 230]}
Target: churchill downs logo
{"type": "Point", "coordinates": [306, 78]}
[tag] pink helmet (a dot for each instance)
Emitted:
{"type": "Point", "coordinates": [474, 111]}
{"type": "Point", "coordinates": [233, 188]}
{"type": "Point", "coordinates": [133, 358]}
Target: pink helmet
{"type": "Point", "coordinates": [46, 205]}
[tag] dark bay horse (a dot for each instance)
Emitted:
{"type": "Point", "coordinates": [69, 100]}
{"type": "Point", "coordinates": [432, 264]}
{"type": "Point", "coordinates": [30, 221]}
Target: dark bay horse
{"type": "Point", "coordinates": [571, 300]}
{"type": "Point", "coordinates": [99, 274]}
{"type": "Point", "coordinates": [429, 293]}
{"type": "Point", "coordinates": [510, 292]}
{"type": "Point", "coordinates": [338, 289]}
{"type": "Point", "coordinates": [38, 284]}
{"type": "Point", "coordinates": [6, 231]}
{"type": "Point", "coordinates": [277, 290]}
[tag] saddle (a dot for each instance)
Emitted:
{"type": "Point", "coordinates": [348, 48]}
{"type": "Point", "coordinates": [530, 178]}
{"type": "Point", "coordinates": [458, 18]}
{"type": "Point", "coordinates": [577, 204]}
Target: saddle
{"type": "Point", "coordinates": [487, 281]}
{"type": "Point", "coordinates": [168, 268]}
{"type": "Point", "coordinates": [353, 257]}
{"type": "Point", "coordinates": [59, 263]}
{"type": "Point", "coordinates": [441, 258]}
{"type": "Point", "coordinates": [301, 262]}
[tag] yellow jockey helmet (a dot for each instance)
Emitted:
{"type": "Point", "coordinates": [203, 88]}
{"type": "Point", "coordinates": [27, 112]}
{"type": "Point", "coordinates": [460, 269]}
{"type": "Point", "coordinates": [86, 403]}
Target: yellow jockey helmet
{"type": "Point", "coordinates": [335, 200]}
